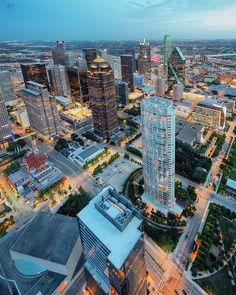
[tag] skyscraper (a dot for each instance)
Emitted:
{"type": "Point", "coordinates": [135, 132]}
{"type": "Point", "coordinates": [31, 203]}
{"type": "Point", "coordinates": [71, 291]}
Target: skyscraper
{"type": "Point", "coordinates": [90, 54]}
{"type": "Point", "coordinates": [131, 51]}
{"type": "Point", "coordinates": [144, 58]}
{"type": "Point", "coordinates": [42, 110]}
{"type": "Point", "coordinates": [167, 49]}
{"type": "Point", "coordinates": [178, 92]}
{"type": "Point", "coordinates": [102, 97]}
{"type": "Point", "coordinates": [161, 86]}
{"type": "Point", "coordinates": [176, 68]}
{"type": "Point", "coordinates": [127, 70]}
{"type": "Point", "coordinates": [35, 72]}
{"type": "Point", "coordinates": [122, 92]}
{"type": "Point", "coordinates": [158, 137]}
{"type": "Point", "coordinates": [113, 245]}
{"type": "Point", "coordinates": [7, 87]}
{"type": "Point", "coordinates": [59, 53]}
{"type": "Point", "coordinates": [5, 127]}
{"type": "Point", "coordinates": [58, 78]}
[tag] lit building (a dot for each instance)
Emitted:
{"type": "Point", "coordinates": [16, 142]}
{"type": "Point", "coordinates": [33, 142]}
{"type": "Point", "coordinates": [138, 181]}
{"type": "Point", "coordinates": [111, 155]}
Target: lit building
{"type": "Point", "coordinates": [78, 81]}
{"type": "Point", "coordinates": [59, 54]}
{"type": "Point", "coordinates": [209, 114]}
{"type": "Point", "coordinates": [58, 78]}
{"type": "Point", "coordinates": [116, 66]}
{"type": "Point", "coordinates": [178, 90]}
{"type": "Point", "coordinates": [122, 92]}
{"type": "Point", "coordinates": [7, 87]}
{"type": "Point", "coordinates": [42, 110]}
{"type": "Point", "coordinates": [127, 70]}
{"type": "Point", "coordinates": [35, 72]}
{"type": "Point", "coordinates": [113, 245]}
{"type": "Point", "coordinates": [90, 54]}
{"type": "Point", "coordinates": [22, 118]}
{"type": "Point", "coordinates": [176, 68]}
{"type": "Point", "coordinates": [167, 49]}
{"type": "Point", "coordinates": [70, 59]}
{"type": "Point", "coordinates": [5, 127]}
{"type": "Point", "coordinates": [144, 58]}
{"type": "Point", "coordinates": [102, 98]}
{"type": "Point", "coordinates": [131, 51]}
{"type": "Point", "coordinates": [158, 151]}
{"type": "Point", "coordinates": [161, 86]}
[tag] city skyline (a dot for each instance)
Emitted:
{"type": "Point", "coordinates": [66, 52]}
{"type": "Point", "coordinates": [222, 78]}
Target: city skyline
{"type": "Point", "coordinates": [151, 19]}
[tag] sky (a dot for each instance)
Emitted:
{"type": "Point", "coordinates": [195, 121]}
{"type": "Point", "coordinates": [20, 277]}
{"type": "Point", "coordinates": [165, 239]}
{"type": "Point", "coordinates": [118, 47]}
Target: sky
{"type": "Point", "coordinates": [117, 19]}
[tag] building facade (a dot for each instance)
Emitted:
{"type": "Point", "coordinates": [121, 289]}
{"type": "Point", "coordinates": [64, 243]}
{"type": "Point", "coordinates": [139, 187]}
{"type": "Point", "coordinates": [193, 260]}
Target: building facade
{"type": "Point", "coordinates": [7, 88]}
{"type": "Point", "coordinates": [102, 98]}
{"type": "Point", "coordinates": [113, 245]}
{"type": "Point", "coordinates": [35, 72]}
{"type": "Point", "coordinates": [42, 110]}
{"type": "Point", "coordinates": [5, 127]}
{"type": "Point", "coordinates": [176, 68]}
{"type": "Point", "coordinates": [144, 58]}
{"type": "Point", "coordinates": [178, 90]}
{"type": "Point", "coordinates": [90, 54]}
{"type": "Point", "coordinates": [59, 53]}
{"type": "Point", "coordinates": [161, 84]}
{"type": "Point", "coordinates": [122, 92]}
{"type": "Point", "coordinates": [167, 49]}
{"type": "Point", "coordinates": [59, 83]}
{"type": "Point", "coordinates": [158, 151]}
{"type": "Point", "coordinates": [127, 72]}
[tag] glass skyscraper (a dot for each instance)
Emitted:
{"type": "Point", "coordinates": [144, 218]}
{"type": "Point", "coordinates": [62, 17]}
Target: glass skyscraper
{"type": "Point", "coordinates": [35, 72]}
{"type": "Point", "coordinates": [90, 54]}
{"type": "Point", "coordinates": [58, 78]}
{"type": "Point", "coordinates": [176, 68]}
{"type": "Point", "coordinates": [158, 137]}
{"type": "Point", "coordinates": [144, 59]}
{"type": "Point", "coordinates": [5, 127]}
{"type": "Point", "coordinates": [7, 87]}
{"type": "Point", "coordinates": [59, 54]}
{"type": "Point", "coordinates": [127, 70]}
{"type": "Point", "coordinates": [167, 49]}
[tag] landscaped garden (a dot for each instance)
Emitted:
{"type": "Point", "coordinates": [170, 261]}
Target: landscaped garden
{"type": "Point", "coordinates": [103, 165]}
{"type": "Point", "coordinates": [220, 139]}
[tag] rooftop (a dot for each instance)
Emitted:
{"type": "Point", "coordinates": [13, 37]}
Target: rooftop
{"type": "Point", "coordinates": [189, 132]}
{"type": "Point", "coordinates": [48, 236]}
{"type": "Point", "coordinates": [88, 152]}
{"type": "Point", "coordinates": [115, 222]}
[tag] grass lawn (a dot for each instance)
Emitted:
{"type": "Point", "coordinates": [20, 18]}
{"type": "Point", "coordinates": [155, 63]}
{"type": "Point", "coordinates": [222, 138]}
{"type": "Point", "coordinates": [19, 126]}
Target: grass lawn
{"type": "Point", "coordinates": [229, 232]}
{"type": "Point", "coordinates": [218, 284]}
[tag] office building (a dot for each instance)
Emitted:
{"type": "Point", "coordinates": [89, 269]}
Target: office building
{"type": "Point", "coordinates": [78, 81]}
{"type": "Point", "coordinates": [176, 68]}
{"type": "Point", "coordinates": [167, 49]}
{"type": "Point", "coordinates": [102, 98]}
{"type": "Point", "coordinates": [122, 92]}
{"type": "Point", "coordinates": [139, 80]}
{"type": "Point", "coordinates": [178, 90]}
{"type": "Point", "coordinates": [158, 151]}
{"type": "Point", "coordinates": [131, 51]}
{"type": "Point", "coordinates": [59, 53]}
{"type": "Point", "coordinates": [35, 72]}
{"type": "Point", "coordinates": [161, 84]}
{"type": "Point", "coordinates": [90, 54]}
{"type": "Point", "coordinates": [42, 110]}
{"type": "Point", "coordinates": [7, 88]}
{"type": "Point", "coordinates": [70, 59]}
{"type": "Point", "coordinates": [5, 127]}
{"type": "Point", "coordinates": [144, 58]}
{"type": "Point", "coordinates": [22, 118]}
{"type": "Point", "coordinates": [210, 114]}
{"type": "Point", "coordinates": [113, 245]}
{"type": "Point", "coordinates": [116, 66]}
{"type": "Point", "coordinates": [127, 70]}
{"type": "Point", "coordinates": [59, 83]}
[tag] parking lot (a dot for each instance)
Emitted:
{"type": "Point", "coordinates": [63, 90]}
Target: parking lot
{"type": "Point", "coordinates": [116, 173]}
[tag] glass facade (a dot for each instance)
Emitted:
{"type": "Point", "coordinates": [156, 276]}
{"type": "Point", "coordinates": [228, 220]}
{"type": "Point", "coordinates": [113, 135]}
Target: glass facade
{"type": "Point", "coordinates": [36, 72]}
{"type": "Point", "coordinates": [90, 54]}
{"type": "Point", "coordinates": [5, 127]}
{"type": "Point", "coordinates": [127, 70]}
{"type": "Point", "coordinates": [144, 59]}
{"type": "Point", "coordinates": [176, 68]}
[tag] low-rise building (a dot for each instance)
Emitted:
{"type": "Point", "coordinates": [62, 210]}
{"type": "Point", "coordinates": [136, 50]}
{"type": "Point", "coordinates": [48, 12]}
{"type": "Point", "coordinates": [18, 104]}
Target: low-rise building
{"type": "Point", "coordinates": [191, 133]}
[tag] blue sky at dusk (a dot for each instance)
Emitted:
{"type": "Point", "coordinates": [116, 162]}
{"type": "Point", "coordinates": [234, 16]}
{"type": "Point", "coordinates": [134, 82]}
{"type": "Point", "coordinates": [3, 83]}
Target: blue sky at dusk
{"type": "Point", "coordinates": [117, 19]}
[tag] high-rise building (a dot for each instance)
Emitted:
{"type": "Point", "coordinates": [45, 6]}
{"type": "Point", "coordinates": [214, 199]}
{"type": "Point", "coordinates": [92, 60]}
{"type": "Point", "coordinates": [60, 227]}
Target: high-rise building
{"type": "Point", "coordinates": [158, 137]}
{"type": "Point", "coordinates": [5, 127]}
{"type": "Point", "coordinates": [176, 68]}
{"type": "Point", "coordinates": [78, 81]}
{"type": "Point", "coordinates": [167, 49]}
{"type": "Point", "coordinates": [122, 92]}
{"type": "Point", "coordinates": [42, 110]}
{"type": "Point", "coordinates": [59, 82]}
{"type": "Point", "coordinates": [7, 87]}
{"type": "Point", "coordinates": [178, 90]}
{"type": "Point", "coordinates": [113, 245]}
{"type": "Point", "coordinates": [102, 97]}
{"type": "Point", "coordinates": [131, 51]}
{"type": "Point", "coordinates": [116, 66]}
{"type": "Point", "coordinates": [127, 70]}
{"type": "Point", "coordinates": [59, 53]}
{"type": "Point", "coordinates": [70, 59]}
{"type": "Point", "coordinates": [161, 86]}
{"type": "Point", "coordinates": [144, 58]}
{"type": "Point", "coordinates": [23, 118]}
{"type": "Point", "coordinates": [90, 54]}
{"type": "Point", "coordinates": [35, 72]}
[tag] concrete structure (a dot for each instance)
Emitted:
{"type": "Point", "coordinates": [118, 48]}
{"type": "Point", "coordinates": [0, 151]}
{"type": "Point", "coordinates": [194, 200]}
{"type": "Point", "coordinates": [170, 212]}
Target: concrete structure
{"type": "Point", "coordinates": [183, 111]}
{"type": "Point", "coordinates": [7, 88]}
{"type": "Point", "coordinates": [42, 110]}
{"type": "Point", "coordinates": [144, 58]}
{"type": "Point", "coordinates": [177, 93]}
{"type": "Point", "coordinates": [158, 149]}
{"type": "Point", "coordinates": [35, 261]}
{"type": "Point", "coordinates": [113, 245]}
{"type": "Point", "coordinates": [191, 134]}
{"type": "Point", "coordinates": [102, 97]}
{"type": "Point", "coordinates": [122, 92]}
{"type": "Point", "coordinates": [23, 118]}
{"type": "Point", "coordinates": [210, 114]}
{"type": "Point", "coordinates": [5, 127]}
{"type": "Point", "coordinates": [59, 82]}
{"type": "Point", "coordinates": [59, 53]}
{"type": "Point", "coordinates": [127, 70]}
{"type": "Point", "coordinates": [161, 84]}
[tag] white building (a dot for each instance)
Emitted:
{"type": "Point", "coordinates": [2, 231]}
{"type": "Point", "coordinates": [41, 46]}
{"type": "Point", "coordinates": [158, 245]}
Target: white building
{"type": "Point", "coordinates": [158, 137]}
